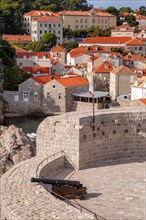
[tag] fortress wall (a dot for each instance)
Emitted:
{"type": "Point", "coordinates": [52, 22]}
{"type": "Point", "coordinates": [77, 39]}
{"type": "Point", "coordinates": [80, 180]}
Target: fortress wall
{"type": "Point", "coordinates": [116, 135]}
{"type": "Point", "coordinates": [59, 133]}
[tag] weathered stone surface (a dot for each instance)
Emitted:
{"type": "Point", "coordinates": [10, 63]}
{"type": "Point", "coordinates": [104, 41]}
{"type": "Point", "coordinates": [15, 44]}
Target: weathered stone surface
{"type": "Point", "coordinates": [15, 147]}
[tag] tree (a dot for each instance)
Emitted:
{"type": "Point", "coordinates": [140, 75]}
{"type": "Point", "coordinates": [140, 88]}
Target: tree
{"type": "Point", "coordinates": [112, 10]}
{"type": "Point", "coordinates": [130, 19]}
{"type": "Point", "coordinates": [36, 46]}
{"type": "Point", "coordinates": [70, 45]}
{"type": "Point", "coordinates": [49, 39]}
{"type": "Point", "coordinates": [93, 31]}
{"type": "Point", "coordinates": [126, 9]}
{"type": "Point", "coordinates": [13, 76]}
{"type": "Point", "coordinates": [142, 10]}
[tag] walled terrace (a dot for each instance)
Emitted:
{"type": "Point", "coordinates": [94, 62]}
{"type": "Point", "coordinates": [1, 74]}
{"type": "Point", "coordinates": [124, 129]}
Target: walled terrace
{"type": "Point", "coordinates": [107, 156]}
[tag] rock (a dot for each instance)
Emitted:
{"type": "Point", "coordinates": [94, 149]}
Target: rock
{"type": "Point", "coordinates": [15, 147]}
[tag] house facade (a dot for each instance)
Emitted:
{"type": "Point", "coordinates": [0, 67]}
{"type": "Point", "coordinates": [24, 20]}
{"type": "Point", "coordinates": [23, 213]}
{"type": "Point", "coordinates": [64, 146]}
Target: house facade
{"type": "Point", "coordinates": [36, 23]}
{"type": "Point", "coordinates": [138, 89]}
{"type": "Point", "coordinates": [45, 94]}
{"type": "Point", "coordinates": [120, 81]}
{"type": "Point", "coordinates": [59, 52]}
{"type": "Point", "coordinates": [82, 20]}
{"type": "Point", "coordinates": [33, 59]}
{"type": "Point", "coordinates": [123, 30]}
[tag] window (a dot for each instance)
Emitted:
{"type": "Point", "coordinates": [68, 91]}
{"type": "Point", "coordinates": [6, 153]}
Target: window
{"type": "Point", "coordinates": [81, 20]}
{"type": "Point", "coordinates": [16, 98]}
{"type": "Point", "coordinates": [49, 25]}
{"type": "Point", "coordinates": [76, 26]}
{"type": "Point", "coordinates": [85, 20]}
{"type": "Point", "coordinates": [86, 26]}
{"type": "Point", "coordinates": [54, 25]}
{"type": "Point", "coordinates": [20, 64]}
{"type": "Point", "coordinates": [34, 64]}
{"type": "Point", "coordinates": [48, 95]}
{"type": "Point", "coordinates": [25, 96]}
{"type": "Point", "coordinates": [81, 26]}
{"type": "Point", "coordinates": [40, 25]}
{"type": "Point", "coordinates": [59, 96]}
{"type": "Point", "coordinates": [135, 48]}
{"type": "Point", "coordinates": [68, 26]}
{"type": "Point", "coordinates": [58, 32]}
{"type": "Point", "coordinates": [45, 25]}
{"type": "Point", "coordinates": [29, 86]}
{"type": "Point", "coordinates": [140, 48]}
{"type": "Point", "coordinates": [28, 30]}
{"type": "Point", "coordinates": [76, 21]}
{"type": "Point", "coordinates": [93, 20]}
{"type": "Point", "coordinates": [102, 21]}
{"type": "Point", "coordinates": [40, 32]}
{"type": "Point", "coordinates": [45, 31]}
{"type": "Point", "coordinates": [58, 25]}
{"type": "Point", "coordinates": [53, 86]}
{"type": "Point", "coordinates": [105, 21]}
{"type": "Point", "coordinates": [35, 95]}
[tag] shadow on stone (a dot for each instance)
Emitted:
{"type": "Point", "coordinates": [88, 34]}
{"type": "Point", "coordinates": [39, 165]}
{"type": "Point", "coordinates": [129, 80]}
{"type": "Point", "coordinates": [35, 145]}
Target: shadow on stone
{"type": "Point", "coordinates": [92, 195]}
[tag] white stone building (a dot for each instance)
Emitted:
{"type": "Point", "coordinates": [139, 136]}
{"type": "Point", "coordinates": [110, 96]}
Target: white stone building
{"type": "Point", "coordinates": [36, 23]}
{"type": "Point", "coordinates": [138, 89]}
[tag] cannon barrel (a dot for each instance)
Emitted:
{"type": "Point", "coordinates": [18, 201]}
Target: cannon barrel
{"type": "Point", "coordinates": [56, 182]}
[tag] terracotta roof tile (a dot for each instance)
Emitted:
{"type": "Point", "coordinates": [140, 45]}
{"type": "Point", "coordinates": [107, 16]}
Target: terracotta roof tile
{"type": "Point", "coordinates": [39, 13]}
{"type": "Point", "coordinates": [85, 13]}
{"type": "Point", "coordinates": [134, 57]}
{"type": "Point", "coordinates": [36, 69]}
{"type": "Point", "coordinates": [32, 54]}
{"type": "Point", "coordinates": [18, 48]}
{"type": "Point", "coordinates": [58, 48]}
{"type": "Point", "coordinates": [17, 38]}
{"type": "Point", "coordinates": [44, 79]}
{"type": "Point", "coordinates": [106, 40]}
{"type": "Point", "coordinates": [133, 42]}
{"type": "Point", "coordinates": [104, 68]}
{"type": "Point", "coordinates": [49, 19]}
{"type": "Point", "coordinates": [143, 101]}
{"type": "Point", "coordinates": [73, 81]}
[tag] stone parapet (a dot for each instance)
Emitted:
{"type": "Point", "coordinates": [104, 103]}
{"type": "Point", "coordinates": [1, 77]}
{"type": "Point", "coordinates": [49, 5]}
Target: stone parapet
{"type": "Point", "coordinates": [117, 134]}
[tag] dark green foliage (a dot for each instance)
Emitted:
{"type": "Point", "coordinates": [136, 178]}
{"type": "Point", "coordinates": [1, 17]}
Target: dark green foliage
{"type": "Point", "coordinates": [130, 19]}
{"type": "Point", "coordinates": [35, 46]}
{"type": "Point", "coordinates": [70, 45]}
{"type": "Point", "coordinates": [11, 11]}
{"type": "Point", "coordinates": [117, 50]}
{"type": "Point", "coordinates": [96, 31]}
{"type": "Point", "coordinates": [49, 39]}
{"type": "Point", "coordinates": [13, 76]}
{"type": "Point", "coordinates": [142, 10]}
{"type": "Point", "coordinates": [112, 10]}
{"type": "Point", "coordinates": [126, 9]}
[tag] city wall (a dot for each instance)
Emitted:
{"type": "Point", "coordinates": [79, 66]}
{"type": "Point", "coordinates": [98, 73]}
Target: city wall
{"type": "Point", "coordinates": [115, 135]}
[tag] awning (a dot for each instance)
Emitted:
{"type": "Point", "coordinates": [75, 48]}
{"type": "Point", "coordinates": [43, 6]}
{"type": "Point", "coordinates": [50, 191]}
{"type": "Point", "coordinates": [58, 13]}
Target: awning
{"type": "Point", "coordinates": [97, 94]}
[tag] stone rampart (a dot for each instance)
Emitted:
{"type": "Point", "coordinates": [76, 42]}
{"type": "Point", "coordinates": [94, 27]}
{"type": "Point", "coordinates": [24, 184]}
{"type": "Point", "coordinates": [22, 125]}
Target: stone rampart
{"type": "Point", "coordinates": [115, 135]}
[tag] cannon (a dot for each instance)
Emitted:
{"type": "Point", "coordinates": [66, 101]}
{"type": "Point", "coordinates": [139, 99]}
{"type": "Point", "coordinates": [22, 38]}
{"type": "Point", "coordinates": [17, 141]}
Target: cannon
{"type": "Point", "coordinates": [69, 189]}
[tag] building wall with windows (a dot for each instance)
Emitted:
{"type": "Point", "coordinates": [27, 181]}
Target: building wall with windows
{"type": "Point", "coordinates": [83, 20]}
{"type": "Point", "coordinates": [33, 61]}
{"type": "Point", "coordinates": [39, 28]}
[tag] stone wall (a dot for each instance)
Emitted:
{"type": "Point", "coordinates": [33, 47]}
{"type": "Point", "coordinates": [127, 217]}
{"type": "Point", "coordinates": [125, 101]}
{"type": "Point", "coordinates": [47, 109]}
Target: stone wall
{"type": "Point", "coordinates": [116, 135]}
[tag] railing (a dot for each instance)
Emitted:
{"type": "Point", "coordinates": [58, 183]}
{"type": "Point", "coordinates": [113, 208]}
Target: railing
{"type": "Point", "coordinates": [72, 203]}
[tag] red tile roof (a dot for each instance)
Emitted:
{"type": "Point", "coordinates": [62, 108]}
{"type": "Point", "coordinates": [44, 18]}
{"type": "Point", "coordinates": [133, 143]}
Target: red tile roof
{"type": "Point", "coordinates": [17, 38]}
{"type": "Point", "coordinates": [124, 13]}
{"type": "Point", "coordinates": [73, 81]}
{"type": "Point", "coordinates": [44, 79]}
{"type": "Point", "coordinates": [18, 49]}
{"type": "Point", "coordinates": [85, 13]}
{"type": "Point", "coordinates": [36, 69]}
{"type": "Point", "coordinates": [140, 17]}
{"type": "Point", "coordinates": [106, 40]}
{"type": "Point", "coordinates": [32, 54]}
{"type": "Point", "coordinates": [65, 81]}
{"type": "Point", "coordinates": [50, 19]}
{"type": "Point", "coordinates": [143, 101]}
{"type": "Point", "coordinates": [58, 48]}
{"type": "Point", "coordinates": [134, 42]}
{"type": "Point", "coordinates": [134, 57]}
{"type": "Point", "coordinates": [38, 13]}
{"type": "Point", "coordinates": [106, 67]}
{"type": "Point", "coordinates": [123, 28]}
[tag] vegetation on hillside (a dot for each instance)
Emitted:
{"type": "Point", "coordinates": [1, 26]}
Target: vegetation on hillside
{"type": "Point", "coordinates": [13, 75]}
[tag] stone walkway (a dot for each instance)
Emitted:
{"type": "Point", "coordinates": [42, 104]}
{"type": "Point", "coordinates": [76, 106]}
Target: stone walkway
{"type": "Point", "coordinates": [30, 201]}
{"type": "Point", "coordinates": [116, 192]}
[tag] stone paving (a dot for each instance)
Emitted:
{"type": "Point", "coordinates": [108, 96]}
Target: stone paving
{"type": "Point", "coordinates": [115, 192]}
